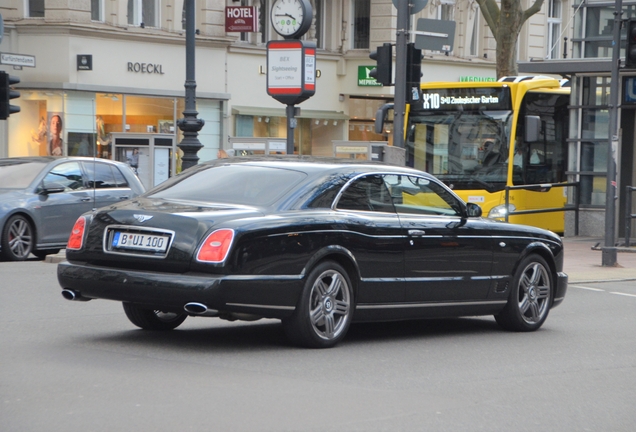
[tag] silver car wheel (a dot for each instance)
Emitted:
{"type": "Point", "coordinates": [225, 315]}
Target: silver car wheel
{"type": "Point", "coordinates": [17, 239]}
{"type": "Point", "coordinates": [329, 304]}
{"type": "Point", "coordinates": [534, 293]}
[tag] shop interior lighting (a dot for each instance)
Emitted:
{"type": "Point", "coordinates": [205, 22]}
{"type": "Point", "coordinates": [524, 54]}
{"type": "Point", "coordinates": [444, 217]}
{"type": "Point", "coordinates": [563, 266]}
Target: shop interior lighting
{"type": "Point", "coordinates": [266, 119]}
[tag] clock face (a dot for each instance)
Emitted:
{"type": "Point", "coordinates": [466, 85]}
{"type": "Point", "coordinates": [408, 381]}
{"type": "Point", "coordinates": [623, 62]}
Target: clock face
{"type": "Point", "coordinates": [291, 18]}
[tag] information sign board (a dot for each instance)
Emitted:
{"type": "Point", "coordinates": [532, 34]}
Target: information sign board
{"type": "Point", "coordinates": [291, 70]}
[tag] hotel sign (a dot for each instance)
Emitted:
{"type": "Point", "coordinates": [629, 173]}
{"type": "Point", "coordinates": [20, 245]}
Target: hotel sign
{"type": "Point", "coordinates": [241, 19]}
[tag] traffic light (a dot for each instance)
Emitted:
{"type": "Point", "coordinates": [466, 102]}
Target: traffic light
{"type": "Point", "coordinates": [630, 51]}
{"type": "Point", "coordinates": [413, 71]}
{"type": "Point", "coordinates": [6, 94]}
{"type": "Point", "coordinates": [383, 72]}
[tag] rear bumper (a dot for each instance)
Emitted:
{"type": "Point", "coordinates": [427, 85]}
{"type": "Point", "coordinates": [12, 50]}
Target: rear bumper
{"type": "Point", "coordinates": [268, 296]}
{"type": "Point", "coordinates": [561, 288]}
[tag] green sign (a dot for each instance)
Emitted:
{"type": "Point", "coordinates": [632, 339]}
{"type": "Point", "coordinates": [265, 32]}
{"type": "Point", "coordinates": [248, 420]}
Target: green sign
{"type": "Point", "coordinates": [364, 80]}
{"type": "Point", "coordinates": [476, 79]}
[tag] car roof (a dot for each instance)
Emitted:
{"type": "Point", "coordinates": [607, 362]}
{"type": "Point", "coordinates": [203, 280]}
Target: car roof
{"type": "Point", "coordinates": [49, 159]}
{"type": "Point", "coordinates": [316, 164]}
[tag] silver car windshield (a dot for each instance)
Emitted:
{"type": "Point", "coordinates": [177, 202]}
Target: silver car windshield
{"type": "Point", "coordinates": [19, 175]}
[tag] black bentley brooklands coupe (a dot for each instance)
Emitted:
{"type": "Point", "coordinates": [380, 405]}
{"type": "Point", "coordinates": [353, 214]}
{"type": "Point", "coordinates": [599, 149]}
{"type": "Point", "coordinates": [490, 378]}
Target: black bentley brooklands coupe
{"type": "Point", "coordinates": [315, 243]}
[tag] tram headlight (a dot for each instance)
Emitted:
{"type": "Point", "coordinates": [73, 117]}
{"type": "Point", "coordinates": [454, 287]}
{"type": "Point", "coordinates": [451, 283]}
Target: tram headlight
{"type": "Point", "coordinates": [500, 211]}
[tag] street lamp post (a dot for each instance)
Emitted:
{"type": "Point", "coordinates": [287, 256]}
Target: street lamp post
{"type": "Point", "coordinates": [190, 124]}
{"type": "Point", "coordinates": [609, 258]}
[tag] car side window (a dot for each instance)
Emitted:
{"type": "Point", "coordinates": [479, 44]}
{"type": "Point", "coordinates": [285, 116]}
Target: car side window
{"type": "Point", "coordinates": [418, 195]}
{"type": "Point", "coordinates": [100, 175]}
{"type": "Point", "coordinates": [119, 178]}
{"type": "Point", "coordinates": [368, 193]}
{"type": "Point", "coordinates": [68, 175]}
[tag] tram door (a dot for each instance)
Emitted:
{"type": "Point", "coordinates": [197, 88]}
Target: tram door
{"type": "Point", "coordinates": [151, 156]}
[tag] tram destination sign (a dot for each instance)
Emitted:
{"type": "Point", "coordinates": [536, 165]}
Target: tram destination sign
{"type": "Point", "coordinates": [466, 99]}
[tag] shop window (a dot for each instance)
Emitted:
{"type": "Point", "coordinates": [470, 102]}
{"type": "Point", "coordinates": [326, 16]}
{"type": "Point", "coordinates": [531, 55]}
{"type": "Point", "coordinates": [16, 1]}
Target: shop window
{"type": "Point", "coordinates": [149, 114]}
{"type": "Point", "coordinates": [263, 19]}
{"type": "Point", "coordinates": [473, 47]}
{"type": "Point", "coordinates": [109, 118]}
{"type": "Point", "coordinates": [362, 113]}
{"type": "Point", "coordinates": [143, 13]}
{"type": "Point", "coordinates": [361, 24]}
{"type": "Point", "coordinates": [593, 30]}
{"type": "Point", "coordinates": [36, 8]}
{"type": "Point", "coordinates": [97, 13]}
{"type": "Point", "coordinates": [446, 10]}
{"type": "Point", "coordinates": [316, 30]}
{"type": "Point", "coordinates": [554, 29]}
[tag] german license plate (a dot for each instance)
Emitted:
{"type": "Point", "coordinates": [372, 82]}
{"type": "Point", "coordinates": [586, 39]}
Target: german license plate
{"type": "Point", "coordinates": [143, 242]}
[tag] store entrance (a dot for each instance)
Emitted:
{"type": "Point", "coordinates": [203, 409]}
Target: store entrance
{"type": "Point", "coordinates": [151, 156]}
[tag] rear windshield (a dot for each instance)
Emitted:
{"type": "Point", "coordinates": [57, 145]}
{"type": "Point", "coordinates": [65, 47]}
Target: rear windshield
{"type": "Point", "coordinates": [19, 175]}
{"type": "Point", "coordinates": [230, 184]}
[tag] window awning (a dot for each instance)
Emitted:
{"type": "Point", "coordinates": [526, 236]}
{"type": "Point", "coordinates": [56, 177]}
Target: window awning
{"type": "Point", "coordinates": [280, 112]}
{"type": "Point", "coordinates": [566, 67]}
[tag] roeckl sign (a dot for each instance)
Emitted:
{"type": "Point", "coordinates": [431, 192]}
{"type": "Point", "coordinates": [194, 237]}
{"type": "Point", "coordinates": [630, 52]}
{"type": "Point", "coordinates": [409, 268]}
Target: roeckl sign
{"type": "Point", "coordinates": [149, 68]}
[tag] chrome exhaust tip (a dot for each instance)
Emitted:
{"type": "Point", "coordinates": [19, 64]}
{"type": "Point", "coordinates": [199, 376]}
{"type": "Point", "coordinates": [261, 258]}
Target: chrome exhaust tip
{"type": "Point", "coordinates": [200, 309]}
{"type": "Point", "coordinates": [73, 296]}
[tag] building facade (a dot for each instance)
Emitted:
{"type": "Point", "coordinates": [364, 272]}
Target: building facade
{"type": "Point", "coordinates": [588, 67]}
{"type": "Point", "coordinates": [112, 73]}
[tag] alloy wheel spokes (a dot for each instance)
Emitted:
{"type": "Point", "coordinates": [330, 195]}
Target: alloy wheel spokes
{"type": "Point", "coordinates": [534, 293]}
{"type": "Point", "coordinates": [330, 304]}
{"type": "Point", "coordinates": [20, 238]}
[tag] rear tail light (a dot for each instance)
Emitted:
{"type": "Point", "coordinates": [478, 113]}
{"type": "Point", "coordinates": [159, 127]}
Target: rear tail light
{"type": "Point", "coordinates": [216, 246]}
{"type": "Point", "coordinates": [76, 240]}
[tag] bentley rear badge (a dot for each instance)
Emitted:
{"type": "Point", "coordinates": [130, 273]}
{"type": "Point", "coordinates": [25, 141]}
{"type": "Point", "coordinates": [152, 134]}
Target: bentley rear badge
{"type": "Point", "coordinates": [142, 218]}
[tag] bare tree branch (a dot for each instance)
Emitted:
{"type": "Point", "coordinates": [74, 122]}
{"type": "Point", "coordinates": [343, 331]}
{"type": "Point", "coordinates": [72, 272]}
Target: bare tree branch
{"type": "Point", "coordinates": [536, 7]}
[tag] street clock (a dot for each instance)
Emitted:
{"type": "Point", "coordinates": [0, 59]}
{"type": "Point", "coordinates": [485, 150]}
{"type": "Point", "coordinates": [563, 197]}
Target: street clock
{"type": "Point", "coordinates": [291, 18]}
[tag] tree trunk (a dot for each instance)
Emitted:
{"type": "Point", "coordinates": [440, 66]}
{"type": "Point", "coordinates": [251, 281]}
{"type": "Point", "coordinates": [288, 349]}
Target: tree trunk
{"type": "Point", "coordinates": [505, 24]}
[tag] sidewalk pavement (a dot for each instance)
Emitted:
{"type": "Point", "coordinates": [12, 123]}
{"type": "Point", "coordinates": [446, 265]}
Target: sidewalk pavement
{"type": "Point", "coordinates": [583, 261]}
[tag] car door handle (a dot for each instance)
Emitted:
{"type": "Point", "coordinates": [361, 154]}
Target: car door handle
{"type": "Point", "coordinates": [86, 199]}
{"type": "Point", "coordinates": [416, 233]}
{"type": "Point", "coordinates": [123, 198]}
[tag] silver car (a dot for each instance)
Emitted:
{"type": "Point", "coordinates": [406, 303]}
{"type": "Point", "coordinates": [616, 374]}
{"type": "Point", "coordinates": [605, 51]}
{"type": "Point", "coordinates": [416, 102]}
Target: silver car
{"type": "Point", "coordinates": [41, 197]}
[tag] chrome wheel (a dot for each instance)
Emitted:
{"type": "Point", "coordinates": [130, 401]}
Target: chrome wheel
{"type": "Point", "coordinates": [17, 239]}
{"type": "Point", "coordinates": [325, 308]}
{"type": "Point", "coordinates": [530, 297]}
{"type": "Point", "coordinates": [534, 293]}
{"type": "Point", "coordinates": [329, 304]}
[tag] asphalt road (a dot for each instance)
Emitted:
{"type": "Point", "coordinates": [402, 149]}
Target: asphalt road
{"type": "Point", "coordinates": [70, 366]}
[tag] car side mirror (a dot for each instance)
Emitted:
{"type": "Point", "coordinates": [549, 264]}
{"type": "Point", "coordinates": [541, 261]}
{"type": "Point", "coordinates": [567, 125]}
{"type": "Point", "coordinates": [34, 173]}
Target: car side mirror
{"type": "Point", "coordinates": [473, 210]}
{"type": "Point", "coordinates": [51, 188]}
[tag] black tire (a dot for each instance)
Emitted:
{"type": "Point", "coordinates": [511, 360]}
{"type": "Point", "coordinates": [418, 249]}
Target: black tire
{"type": "Point", "coordinates": [41, 254]}
{"type": "Point", "coordinates": [325, 309]}
{"type": "Point", "coordinates": [530, 296]}
{"type": "Point", "coordinates": [17, 239]}
{"type": "Point", "coordinates": [149, 319]}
